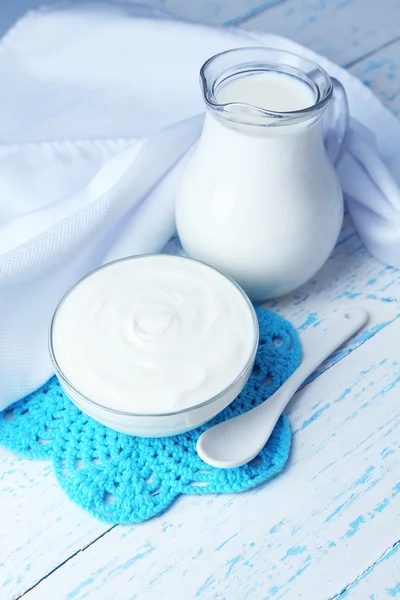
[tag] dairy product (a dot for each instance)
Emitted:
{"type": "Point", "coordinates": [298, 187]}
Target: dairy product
{"type": "Point", "coordinates": [153, 335]}
{"type": "Point", "coordinates": [269, 90]}
{"type": "Point", "coordinates": [260, 200]}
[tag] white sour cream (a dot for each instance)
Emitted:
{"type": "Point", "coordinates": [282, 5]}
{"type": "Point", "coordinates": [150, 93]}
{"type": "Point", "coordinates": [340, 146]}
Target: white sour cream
{"type": "Point", "coordinates": [153, 334]}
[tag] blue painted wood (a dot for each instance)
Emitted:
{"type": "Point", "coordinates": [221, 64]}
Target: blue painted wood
{"type": "Point", "coordinates": [214, 12]}
{"type": "Point", "coordinates": [381, 73]}
{"type": "Point", "coordinates": [342, 30]}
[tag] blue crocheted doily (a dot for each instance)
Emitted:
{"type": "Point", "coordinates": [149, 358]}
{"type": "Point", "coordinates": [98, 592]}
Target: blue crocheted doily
{"type": "Point", "coordinates": [124, 479]}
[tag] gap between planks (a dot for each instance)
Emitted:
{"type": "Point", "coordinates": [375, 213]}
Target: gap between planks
{"type": "Point", "coordinates": [96, 539]}
{"type": "Point", "coordinates": [371, 53]}
{"type": "Point", "coordinates": [254, 12]}
{"type": "Point", "coordinates": [347, 588]}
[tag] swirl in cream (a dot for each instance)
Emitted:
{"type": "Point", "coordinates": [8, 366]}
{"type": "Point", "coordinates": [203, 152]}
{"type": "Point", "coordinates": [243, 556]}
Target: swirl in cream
{"type": "Point", "coordinates": [153, 334]}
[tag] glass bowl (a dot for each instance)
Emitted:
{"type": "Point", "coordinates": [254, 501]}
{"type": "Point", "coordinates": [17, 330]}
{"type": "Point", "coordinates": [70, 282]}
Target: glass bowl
{"type": "Point", "coordinates": [161, 424]}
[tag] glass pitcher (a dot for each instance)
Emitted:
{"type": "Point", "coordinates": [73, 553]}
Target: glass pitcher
{"type": "Point", "coordinates": [260, 199]}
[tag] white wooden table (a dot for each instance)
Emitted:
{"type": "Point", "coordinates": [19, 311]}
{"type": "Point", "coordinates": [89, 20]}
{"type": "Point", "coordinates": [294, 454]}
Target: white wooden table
{"type": "Point", "coordinates": [328, 526]}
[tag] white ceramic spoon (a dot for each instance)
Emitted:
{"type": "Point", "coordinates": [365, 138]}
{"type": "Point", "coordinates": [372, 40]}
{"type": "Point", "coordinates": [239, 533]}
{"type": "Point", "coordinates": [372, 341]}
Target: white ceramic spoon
{"type": "Point", "coordinates": [237, 441]}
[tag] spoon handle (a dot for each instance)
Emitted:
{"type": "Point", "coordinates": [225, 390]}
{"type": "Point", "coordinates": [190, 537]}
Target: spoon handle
{"type": "Point", "coordinates": [341, 327]}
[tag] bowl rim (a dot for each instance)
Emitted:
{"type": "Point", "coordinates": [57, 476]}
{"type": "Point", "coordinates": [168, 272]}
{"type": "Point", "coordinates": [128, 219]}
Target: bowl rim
{"type": "Point", "coordinates": [84, 399]}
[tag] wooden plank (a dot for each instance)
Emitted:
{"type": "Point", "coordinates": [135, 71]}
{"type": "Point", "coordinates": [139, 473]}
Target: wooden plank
{"type": "Point", "coordinates": [381, 580]}
{"type": "Point", "coordinates": [291, 538]}
{"type": "Point", "coordinates": [381, 73]}
{"type": "Point", "coordinates": [341, 30]}
{"type": "Point", "coordinates": [213, 12]}
{"type": "Point", "coordinates": [40, 527]}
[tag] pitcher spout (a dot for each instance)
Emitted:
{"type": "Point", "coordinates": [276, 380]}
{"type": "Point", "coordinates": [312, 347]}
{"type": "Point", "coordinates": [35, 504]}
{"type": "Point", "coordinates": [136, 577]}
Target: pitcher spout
{"type": "Point", "coordinates": [223, 72]}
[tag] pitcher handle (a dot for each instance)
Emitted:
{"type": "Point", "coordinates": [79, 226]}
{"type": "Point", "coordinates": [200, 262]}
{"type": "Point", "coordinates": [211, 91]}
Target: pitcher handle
{"type": "Point", "coordinates": [336, 122]}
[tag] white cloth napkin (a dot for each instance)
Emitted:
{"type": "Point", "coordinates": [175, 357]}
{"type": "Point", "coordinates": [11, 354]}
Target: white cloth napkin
{"type": "Point", "coordinates": [97, 111]}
